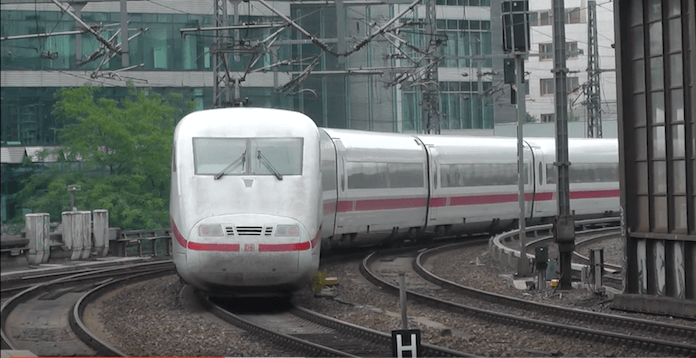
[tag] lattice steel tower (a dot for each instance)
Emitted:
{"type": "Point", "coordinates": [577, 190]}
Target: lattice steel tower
{"type": "Point", "coordinates": [593, 100]}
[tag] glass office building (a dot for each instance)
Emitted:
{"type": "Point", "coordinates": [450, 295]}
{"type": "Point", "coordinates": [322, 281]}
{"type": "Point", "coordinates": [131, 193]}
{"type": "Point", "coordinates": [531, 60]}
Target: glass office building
{"type": "Point", "coordinates": [470, 94]}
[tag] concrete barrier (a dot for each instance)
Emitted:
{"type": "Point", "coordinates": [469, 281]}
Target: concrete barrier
{"type": "Point", "coordinates": [101, 231]}
{"type": "Point", "coordinates": [77, 236]}
{"type": "Point", "coordinates": [38, 233]}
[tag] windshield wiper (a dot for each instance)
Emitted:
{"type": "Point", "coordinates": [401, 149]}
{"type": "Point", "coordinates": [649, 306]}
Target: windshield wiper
{"type": "Point", "coordinates": [233, 165]}
{"type": "Point", "coordinates": [268, 165]}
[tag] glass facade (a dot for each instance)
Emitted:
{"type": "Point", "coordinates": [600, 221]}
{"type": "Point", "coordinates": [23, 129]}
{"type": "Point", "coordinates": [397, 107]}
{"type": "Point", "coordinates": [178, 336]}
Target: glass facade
{"type": "Point", "coordinates": [338, 101]}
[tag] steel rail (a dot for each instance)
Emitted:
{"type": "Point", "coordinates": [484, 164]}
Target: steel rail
{"type": "Point", "coordinates": [40, 288]}
{"type": "Point", "coordinates": [284, 339]}
{"type": "Point", "coordinates": [646, 326]}
{"type": "Point", "coordinates": [77, 324]}
{"type": "Point", "coordinates": [561, 329]}
{"type": "Point", "coordinates": [429, 350]}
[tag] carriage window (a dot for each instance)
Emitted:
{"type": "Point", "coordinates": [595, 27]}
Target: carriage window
{"type": "Point", "coordinates": [480, 174]}
{"type": "Point", "coordinates": [240, 156]}
{"type": "Point", "coordinates": [284, 154]}
{"type": "Point", "coordinates": [586, 173]}
{"type": "Point", "coordinates": [212, 155]}
{"type": "Point", "coordinates": [371, 175]}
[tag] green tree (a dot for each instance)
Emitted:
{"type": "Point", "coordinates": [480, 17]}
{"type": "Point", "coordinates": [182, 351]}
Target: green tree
{"type": "Point", "coordinates": [119, 151]}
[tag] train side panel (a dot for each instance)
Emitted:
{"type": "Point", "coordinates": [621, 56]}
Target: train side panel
{"type": "Point", "coordinates": [594, 185]}
{"type": "Point", "coordinates": [474, 183]}
{"type": "Point", "coordinates": [382, 186]}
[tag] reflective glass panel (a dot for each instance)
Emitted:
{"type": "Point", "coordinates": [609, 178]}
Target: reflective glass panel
{"type": "Point", "coordinates": [657, 73]}
{"type": "Point", "coordinates": [658, 177]}
{"type": "Point", "coordinates": [679, 177]}
{"type": "Point", "coordinates": [674, 7]}
{"type": "Point", "coordinates": [657, 102]}
{"type": "Point", "coordinates": [658, 142]}
{"type": "Point", "coordinates": [676, 71]}
{"type": "Point", "coordinates": [655, 38]}
{"type": "Point", "coordinates": [641, 144]}
{"type": "Point", "coordinates": [637, 107]}
{"type": "Point", "coordinates": [654, 9]}
{"type": "Point", "coordinates": [659, 213]}
{"type": "Point", "coordinates": [643, 208]}
{"type": "Point", "coordinates": [675, 35]}
{"type": "Point", "coordinates": [637, 76]}
{"type": "Point", "coordinates": [678, 143]}
{"type": "Point", "coordinates": [641, 178]}
{"type": "Point", "coordinates": [636, 47]}
{"type": "Point", "coordinates": [679, 211]}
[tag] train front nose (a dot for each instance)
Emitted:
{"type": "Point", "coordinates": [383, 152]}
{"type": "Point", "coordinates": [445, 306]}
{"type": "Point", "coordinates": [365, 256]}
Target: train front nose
{"type": "Point", "coordinates": [248, 254]}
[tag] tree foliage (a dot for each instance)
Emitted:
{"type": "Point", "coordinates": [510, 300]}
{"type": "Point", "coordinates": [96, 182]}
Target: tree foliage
{"type": "Point", "coordinates": [119, 151]}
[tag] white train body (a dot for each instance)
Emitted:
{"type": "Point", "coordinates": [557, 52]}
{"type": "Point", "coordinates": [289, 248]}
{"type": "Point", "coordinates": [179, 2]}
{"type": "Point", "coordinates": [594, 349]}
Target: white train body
{"type": "Point", "coordinates": [355, 188]}
{"type": "Point", "coordinates": [244, 230]}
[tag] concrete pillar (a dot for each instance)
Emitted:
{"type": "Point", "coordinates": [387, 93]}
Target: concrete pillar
{"type": "Point", "coordinates": [101, 231]}
{"type": "Point", "coordinates": [77, 233]}
{"type": "Point", "coordinates": [38, 233]}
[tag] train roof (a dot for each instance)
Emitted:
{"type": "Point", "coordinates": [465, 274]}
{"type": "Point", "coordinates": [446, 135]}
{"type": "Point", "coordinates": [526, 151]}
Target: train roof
{"type": "Point", "coordinates": [245, 122]}
{"type": "Point", "coordinates": [376, 146]}
{"type": "Point", "coordinates": [581, 149]}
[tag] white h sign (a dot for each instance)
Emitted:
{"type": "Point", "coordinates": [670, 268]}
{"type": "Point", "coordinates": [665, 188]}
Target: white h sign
{"type": "Point", "coordinates": [398, 346]}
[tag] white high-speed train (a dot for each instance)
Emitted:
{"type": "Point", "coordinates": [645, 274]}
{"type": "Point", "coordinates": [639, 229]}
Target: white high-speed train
{"type": "Point", "coordinates": [257, 192]}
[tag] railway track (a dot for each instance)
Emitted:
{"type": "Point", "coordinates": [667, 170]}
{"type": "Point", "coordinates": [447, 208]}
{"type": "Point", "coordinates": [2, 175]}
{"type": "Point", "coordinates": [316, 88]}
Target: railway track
{"type": "Point", "coordinates": [311, 333]}
{"type": "Point", "coordinates": [649, 335]}
{"type": "Point", "coordinates": [38, 317]}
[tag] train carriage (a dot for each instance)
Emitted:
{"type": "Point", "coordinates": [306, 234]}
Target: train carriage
{"type": "Point", "coordinates": [244, 203]}
{"type": "Point", "coordinates": [593, 174]}
{"type": "Point", "coordinates": [382, 186]}
{"type": "Point", "coordinates": [474, 183]}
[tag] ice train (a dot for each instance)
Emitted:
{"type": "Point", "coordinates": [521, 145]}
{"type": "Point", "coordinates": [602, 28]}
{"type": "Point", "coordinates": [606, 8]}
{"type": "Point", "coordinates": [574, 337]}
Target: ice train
{"type": "Point", "coordinates": [256, 193]}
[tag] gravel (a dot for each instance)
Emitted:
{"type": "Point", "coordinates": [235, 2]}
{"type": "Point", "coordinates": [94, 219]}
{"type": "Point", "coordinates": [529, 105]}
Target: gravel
{"type": "Point", "coordinates": [148, 319]}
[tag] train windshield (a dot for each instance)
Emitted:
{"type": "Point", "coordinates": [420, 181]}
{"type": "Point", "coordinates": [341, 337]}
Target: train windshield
{"type": "Point", "coordinates": [240, 156]}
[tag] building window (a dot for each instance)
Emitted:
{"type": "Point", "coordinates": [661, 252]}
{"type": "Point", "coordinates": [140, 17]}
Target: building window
{"type": "Point", "coordinates": [545, 17]}
{"type": "Point", "coordinates": [546, 50]}
{"type": "Point", "coordinates": [572, 16]}
{"type": "Point", "coordinates": [547, 85]}
{"type": "Point", "coordinates": [548, 117]}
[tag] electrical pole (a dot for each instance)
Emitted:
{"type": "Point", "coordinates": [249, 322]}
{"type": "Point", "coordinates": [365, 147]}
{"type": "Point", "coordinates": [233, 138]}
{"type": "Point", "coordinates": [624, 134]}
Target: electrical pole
{"type": "Point", "coordinates": [516, 41]}
{"type": "Point", "coordinates": [592, 95]}
{"type": "Point", "coordinates": [430, 115]}
{"type": "Point", "coordinates": [221, 69]}
{"type": "Point", "coordinates": [564, 223]}
{"type": "Point", "coordinates": [125, 57]}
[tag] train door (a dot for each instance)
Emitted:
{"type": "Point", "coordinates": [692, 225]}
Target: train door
{"type": "Point", "coordinates": [538, 178]}
{"type": "Point", "coordinates": [433, 202]}
{"type": "Point", "coordinates": [529, 186]}
{"type": "Point", "coordinates": [329, 185]}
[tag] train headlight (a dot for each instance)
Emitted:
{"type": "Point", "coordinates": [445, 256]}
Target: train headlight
{"type": "Point", "coordinates": [287, 230]}
{"type": "Point", "coordinates": [210, 230]}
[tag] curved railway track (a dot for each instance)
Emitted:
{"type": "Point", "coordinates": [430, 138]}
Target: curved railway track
{"type": "Point", "coordinates": [37, 318]}
{"type": "Point", "coordinates": [314, 334]}
{"type": "Point", "coordinates": [672, 339]}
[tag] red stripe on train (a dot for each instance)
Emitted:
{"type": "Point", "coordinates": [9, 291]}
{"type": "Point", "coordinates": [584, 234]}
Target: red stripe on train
{"type": "Point", "coordinates": [212, 247]}
{"type": "Point", "coordinates": [176, 233]}
{"type": "Point", "coordinates": [408, 203]}
{"type": "Point", "coordinates": [284, 247]}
